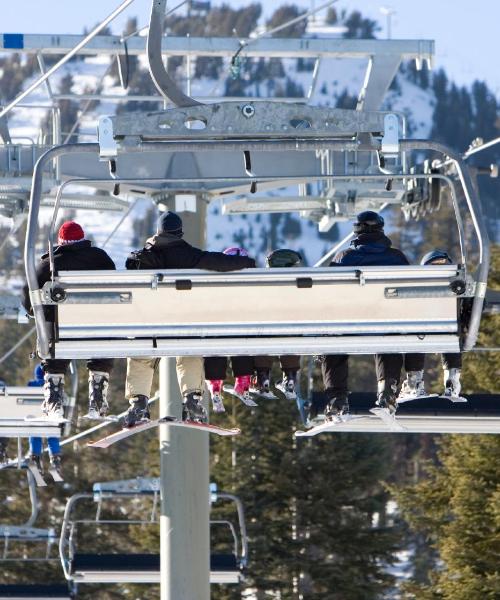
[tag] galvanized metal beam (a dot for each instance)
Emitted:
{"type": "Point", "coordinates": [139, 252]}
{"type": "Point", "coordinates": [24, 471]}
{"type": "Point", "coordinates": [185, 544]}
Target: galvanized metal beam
{"type": "Point", "coordinates": [215, 46]}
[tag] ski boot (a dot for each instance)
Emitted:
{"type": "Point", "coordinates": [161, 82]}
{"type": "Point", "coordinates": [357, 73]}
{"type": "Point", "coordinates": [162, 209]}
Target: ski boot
{"type": "Point", "coordinates": [215, 389]}
{"type": "Point", "coordinates": [413, 386]}
{"type": "Point", "coordinates": [287, 385]}
{"type": "Point", "coordinates": [242, 386]}
{"type": "Point", "coordinates": [193, 409]}
{"type": "Point", "coordinates": [452, 385]}
{"type": "Point", "coordinates": [35, 460]}
{"type": "Point", "coordinates": [261, 385]}
{"type": "Point", "coordinates": [98, 394]}
{"type": "Point", "coordinates": [336, 408]}
{"type": "Point", "coordinates": [387, 395]}
{"type": "Point", "coordinates": [53, 392]}
{"type": "Point", "coordinates": [138, 412]}
{"type": "Point", "coordinates": [56, 465]}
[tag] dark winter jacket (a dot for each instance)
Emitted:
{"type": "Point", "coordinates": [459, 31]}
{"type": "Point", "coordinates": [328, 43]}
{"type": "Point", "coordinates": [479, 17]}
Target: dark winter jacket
{"type": "Point", "coordinates": [80, 256]}
{"type": "Point", "coordinates": [370, 249]}
{"type": "Point", "coordinates": [164, 251]}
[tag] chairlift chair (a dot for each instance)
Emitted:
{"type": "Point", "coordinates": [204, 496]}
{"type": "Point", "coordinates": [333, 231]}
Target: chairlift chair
{"type": "Point", "coordinates": [81, 567]}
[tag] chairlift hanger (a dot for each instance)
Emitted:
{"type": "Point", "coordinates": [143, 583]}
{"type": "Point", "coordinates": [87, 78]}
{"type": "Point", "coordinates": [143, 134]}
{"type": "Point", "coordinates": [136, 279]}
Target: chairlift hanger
{"type": "Point", "coordinates": [137, 568]}
{"type": "Point", "coordinates": [147, 341]}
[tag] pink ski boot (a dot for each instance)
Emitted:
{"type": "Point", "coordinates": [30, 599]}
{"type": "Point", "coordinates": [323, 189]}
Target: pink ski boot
{"type": "Point", "coordinates": [242, 385]}
{"type": "Point", "coordinates": [215, 389]}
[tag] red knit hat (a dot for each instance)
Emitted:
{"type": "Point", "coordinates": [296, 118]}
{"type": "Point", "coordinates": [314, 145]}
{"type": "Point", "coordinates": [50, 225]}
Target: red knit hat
{"type": "Point", "coordinates": [70, 232]}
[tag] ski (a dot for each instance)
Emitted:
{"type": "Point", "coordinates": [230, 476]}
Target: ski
{"type": "Point", "coordinates": [388, 418]}
{"type": "Point", "coordinates": [129, 431]}
{"type": "Point", "coordinates": [433, 397]}
{"type": "Point", "coordinates": [266, 395]}
{"type": "Point", "coordinates": [56, 476]}
{"type": "Point", "coordinates": [243, 397]}
{"type": "Point", "coordinates": [48, 420]}
{"type": "Point", "coordinates": [106, 419]}
{"type": "Point", "coordinates": [329, 426]}
{"type": "Point", "coordinates": [402, 400]}
{"type": "Point", "coordinates": [37, 476]}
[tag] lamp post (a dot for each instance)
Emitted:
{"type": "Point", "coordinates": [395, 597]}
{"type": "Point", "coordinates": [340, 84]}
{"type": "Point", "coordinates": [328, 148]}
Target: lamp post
{"type": "Point", "coordinates": [388, 12]}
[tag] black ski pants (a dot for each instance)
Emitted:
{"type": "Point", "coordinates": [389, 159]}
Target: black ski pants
{"type": "Point", "coordinates": [416, 362]}
{"type": "Point", "coordinates": [216, 366]}
{"type": "Point", "coordinates": [56, 366]}
{"type": "Point", "coordinates": [335, 371]}
{"type": "Point", "coordinates": [288, 362]}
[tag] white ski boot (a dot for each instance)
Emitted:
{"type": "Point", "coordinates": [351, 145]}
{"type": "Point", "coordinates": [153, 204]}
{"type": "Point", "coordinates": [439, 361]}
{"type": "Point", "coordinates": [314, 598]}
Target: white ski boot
{"type": "Point", "coordinates": [287, 385]}
{"type": "Point", "coordinates": [98, 394]}
{"type": "Point", "coordinates": [215, 389]}
{"type": "Point", "coordinates": [452, 385]}
{"type": "Point", "coordinates": [413, 386]}
{"type": "Point", "coordinates": [53, 392]}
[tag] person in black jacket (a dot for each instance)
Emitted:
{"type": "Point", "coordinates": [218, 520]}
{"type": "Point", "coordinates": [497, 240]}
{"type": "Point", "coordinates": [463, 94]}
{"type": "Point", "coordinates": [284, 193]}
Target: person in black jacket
{"type": "Point", "coordinates": [370, 247]}
{"type": "Point", "coordinates": [167, 250]}
{"type": "Point", "coordinates": [73, 253]}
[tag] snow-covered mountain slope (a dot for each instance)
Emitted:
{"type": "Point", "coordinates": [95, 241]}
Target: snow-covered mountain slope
{"type": "Point", "coordinates": [258, 233]}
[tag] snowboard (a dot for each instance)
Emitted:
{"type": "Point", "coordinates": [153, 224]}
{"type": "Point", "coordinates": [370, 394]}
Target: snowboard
{"type": "Point", "coordinates": [129, 431]}
{"type": "Point", "coordinates": [327, 426]}
{"type": "Point", "coordinates": [388, 418]}
{"type": "Point", "coordinates": [245, 399]}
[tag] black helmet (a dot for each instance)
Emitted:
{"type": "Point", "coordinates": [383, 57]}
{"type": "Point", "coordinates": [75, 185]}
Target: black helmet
{"type": "Point", "coordinates": [436, 257]}
{"type": "Point", "coordinates": [367, 222]}
{"type": "Point", "coordinates": [283, 258]}
{"type": "Point", "coordinates": [169, 222]}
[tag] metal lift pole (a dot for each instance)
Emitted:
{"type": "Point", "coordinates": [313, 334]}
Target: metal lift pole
{"type": "Point", "coordinates": [184, 471]}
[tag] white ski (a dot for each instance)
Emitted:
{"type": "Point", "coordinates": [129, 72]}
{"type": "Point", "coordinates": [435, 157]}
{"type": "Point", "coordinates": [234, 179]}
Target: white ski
{"type": "Point", "coordinates": [46, 420]}
{"type": "Point", "coordinates": [329, 426]}
{"type": "Point", "coordinates": [388, 418]}
{"type": "Point", "coordinates": [56, 476]}
{"type": "Point", "coordinates": [107, 418]}
{"type": "Point", "coordinates": [40, 481]}
{"type": "Point", "coordinates": [266, 395]}
{"type": "Point", "coordinates": [403, 399]}
{"type": "Point", "coordinates": [245, 398]}
{"type": "Point", "coordinates": [172, 421]}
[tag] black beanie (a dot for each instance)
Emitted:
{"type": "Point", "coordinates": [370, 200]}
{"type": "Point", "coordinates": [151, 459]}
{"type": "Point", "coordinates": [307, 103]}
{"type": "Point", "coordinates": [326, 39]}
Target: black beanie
{"type": "Point", "coordinates": [169, 222]}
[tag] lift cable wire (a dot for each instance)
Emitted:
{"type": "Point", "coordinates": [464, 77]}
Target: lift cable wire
{"type": "Point", "coordinates": [268, 32]}
{"type": "Point", "coordinates": [17, 344]}
{"type": "Point", "coordinates": [65, 58]}
{"type": "Point", "coordinates": [125, 38]}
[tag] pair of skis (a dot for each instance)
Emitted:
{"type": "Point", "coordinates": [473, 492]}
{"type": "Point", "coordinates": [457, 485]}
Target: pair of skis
{"type": "Point", "coordinates": [38, 477]}
{"type": "Point", "coordinates": [127, 432]}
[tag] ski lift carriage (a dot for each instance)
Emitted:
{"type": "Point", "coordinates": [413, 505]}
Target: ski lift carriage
{"type": "Point", "coordinates": [346, 310]}
{"type": "Point", "coordinates": [81, 567]}
{"type": "Point", "coordinates": [21, 411]}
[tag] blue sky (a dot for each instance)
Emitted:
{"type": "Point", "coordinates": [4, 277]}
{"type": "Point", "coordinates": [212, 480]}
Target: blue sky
{"type": "Point", "coordinates": [466, 31]}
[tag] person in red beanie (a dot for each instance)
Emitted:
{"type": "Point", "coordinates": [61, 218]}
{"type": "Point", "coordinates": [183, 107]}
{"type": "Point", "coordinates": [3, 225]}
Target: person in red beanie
{"type": "Point", "coordinates": [72, 253]}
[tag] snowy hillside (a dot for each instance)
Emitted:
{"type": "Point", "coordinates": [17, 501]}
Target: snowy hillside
{"type": "Point", "coordinates": [336, 78]}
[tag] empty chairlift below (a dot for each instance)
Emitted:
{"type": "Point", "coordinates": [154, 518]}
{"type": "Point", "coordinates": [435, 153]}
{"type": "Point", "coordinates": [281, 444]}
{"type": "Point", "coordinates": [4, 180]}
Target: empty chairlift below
{"type": "Point", "coordinates": [84, 567]}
